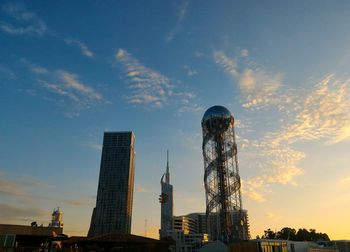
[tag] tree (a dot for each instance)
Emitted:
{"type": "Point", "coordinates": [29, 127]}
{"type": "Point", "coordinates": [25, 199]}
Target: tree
{"type": "Point", "coordinates": [288, 233]}
{"type": "Point", "coordinates": [268, 234]}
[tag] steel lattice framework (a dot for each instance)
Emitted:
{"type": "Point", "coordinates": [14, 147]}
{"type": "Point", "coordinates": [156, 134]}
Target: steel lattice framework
{"type": "Point", "coordinates": [221, 175]}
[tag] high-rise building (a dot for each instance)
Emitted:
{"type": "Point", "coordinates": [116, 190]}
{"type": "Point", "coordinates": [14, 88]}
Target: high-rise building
{"type": "Point", "coordinates": [221, 177]}
{"type": "Point", "coordinates": [166, 200]}
{"type": "Point", "coordinates": [113, 210]}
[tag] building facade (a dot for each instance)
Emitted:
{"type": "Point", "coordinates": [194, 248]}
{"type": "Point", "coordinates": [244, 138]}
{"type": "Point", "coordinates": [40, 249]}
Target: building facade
{"type": "Point", "coordinates": [186, 224]}
{"type": "Point", "coordinates": [166, 201]}
{"type": "Point", "coordinates": [113, 210]}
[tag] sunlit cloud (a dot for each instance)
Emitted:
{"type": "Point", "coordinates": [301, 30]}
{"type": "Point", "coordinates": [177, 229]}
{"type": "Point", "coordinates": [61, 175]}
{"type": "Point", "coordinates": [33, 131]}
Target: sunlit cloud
{"type": "Point", "coordinates": [20, 185]}
{"type": "Point", "coordinates": [141, 189]}
{"type": "Point", "coordinates": [80, 202]}
{"type": "Point", "coordinates": [323, 115]}
{"type": "Point", "coordinates": [27, 22]}
{"type": "Point", "coordinates": [9, 187]}
{"type": "Point", "coordinates": [82, 46]}
{"type": "Point", "coordinates": [151, 89]}
{"type": "Point", "coordinates": [272, 216]}
{"type": "Point", "coordinates": [18, 214]}
{"type": "Point", "coordinates": [258, 87]}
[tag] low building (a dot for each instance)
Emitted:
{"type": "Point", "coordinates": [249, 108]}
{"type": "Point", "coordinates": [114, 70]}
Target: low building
{"type": "Point", "coordinates": [189, 242]}
{"type": "Point", "coordinates": [22, 237]}
{"type": "Point", "coordinates": [270, 245]}
{"type": "Point", "coordinates": [342, 245]}
{"type": "Point", "coordinates": [116, 242]}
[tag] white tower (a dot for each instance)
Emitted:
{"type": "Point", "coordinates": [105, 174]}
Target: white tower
{"type": "Point", "coordinates": [57, 216]}
{"type": "Point", "coordinates": [166, 200]}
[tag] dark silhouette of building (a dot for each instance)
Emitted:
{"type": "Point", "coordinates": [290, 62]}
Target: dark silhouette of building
{"type": "Point", "coordinates": [116, 242]}
{"type": "Point", "coordinates": [221, 177]}
{"type": "Point", "coordinates": [113, 210]}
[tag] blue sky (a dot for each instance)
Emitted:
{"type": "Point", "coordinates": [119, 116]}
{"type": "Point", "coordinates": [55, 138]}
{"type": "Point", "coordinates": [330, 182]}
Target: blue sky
{"type": "Point", "coordinates": [69, 72]}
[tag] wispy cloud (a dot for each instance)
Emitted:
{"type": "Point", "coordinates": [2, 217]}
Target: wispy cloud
{"type": "Point", "coordinates": [272, 216]}
{"type": "Point", "coordinates": [13, 213]}
{"type": "Point", "coordinates": [82, 46]}
{"type": "Point", "coordinates": [71, 81]}
{"type": "Point", "coordinates": [181, 14]}
{"type": "Point", "coordinates": [323, 115]}
{"type": "Point", "coordinates": [80, 202]}
{"type": "Point", "coordinates": [150, 88]}
{"type": "Point", "coordinates": [36, 69]}
{"type": "Point", "coordinates": [190, 71]}
{"type": "Point", "coordinates": [68, 85]}
{"type": "Point", "coordinates": [141, 189]}
{"type": "Point", "coordinates": [9, 187]}
{"type": "Point", "coordinates": [24, 21]}
{"type": "Point", "coordinates": [19, 186]}
{"type": "Point", "coordinates": [258, 87]}
{"type": "Point", "coordinates": [71, 92]}
{"type": "Point", "coordinates": [7, 72]}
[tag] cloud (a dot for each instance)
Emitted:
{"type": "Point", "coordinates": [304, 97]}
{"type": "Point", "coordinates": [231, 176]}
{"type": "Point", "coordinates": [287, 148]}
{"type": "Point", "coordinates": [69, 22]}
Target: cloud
{"type": "Point", "coordinates": [80, 202]}
{"type": "Point", "coordinates": [68, 89]}
{"type": "Point", "coordinates": [6, 72]}
{"type": "Point", "coordinates": [272, 216]}
{"type": "Point", "coordinates": [8, 187]}
{"type": "Point", "coordinates": [71, 81]}
{"type": "Point", "coordinates": [141, 189]}
{"type": "Point", "coordinates": [244, 53]}
{"type": "Point", "coordinates": [83, 47]}
{"type": "Point", "coordinates": [194, 108]}
{"type": "Point", "coordinates": [36, 69]}
{"type": "Point", "coordinates": [323, 115]}
{"type": "Point", "coordinates": [181, 14]}
{"type": "Point", "coordinates": [190, 71]}
{"type": "Point", "coordinates": [148, 86]}
{"type": "Point", "coordinates": [10, 213]}
{"type": "Point", "coordinates": [95, 146]}
{"type": "Point", "coordinates": [19, 186]}
{"type": "Point", "coordinates": [26, 22]}
{"type": "Point", "coordinates": [258, 87]}
{"type": "Point", "coordinates": [64, 84]}
{"type": "Point", "coordinates": [151, 89]}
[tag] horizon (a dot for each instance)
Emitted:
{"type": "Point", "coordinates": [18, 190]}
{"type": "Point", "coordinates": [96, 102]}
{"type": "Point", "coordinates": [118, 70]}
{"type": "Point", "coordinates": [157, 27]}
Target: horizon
{"type": "Point", "coordinates": [70, 72]}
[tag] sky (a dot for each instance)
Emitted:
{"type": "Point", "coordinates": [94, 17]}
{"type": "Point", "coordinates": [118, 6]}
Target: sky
{"type": "Point", "coordinates": [71, 71]}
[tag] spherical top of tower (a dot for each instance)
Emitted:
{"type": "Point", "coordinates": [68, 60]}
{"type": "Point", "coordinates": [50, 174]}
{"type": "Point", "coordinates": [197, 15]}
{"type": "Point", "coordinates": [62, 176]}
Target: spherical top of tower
{"type": "Point", "coordinates": [217, 119]}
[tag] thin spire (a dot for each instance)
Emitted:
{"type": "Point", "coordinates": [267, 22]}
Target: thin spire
{"type": "Point", "coordinates": [167, 174]}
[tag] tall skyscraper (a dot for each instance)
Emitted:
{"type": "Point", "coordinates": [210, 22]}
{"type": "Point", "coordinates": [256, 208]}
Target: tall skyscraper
{"type": "Point", "coordinates": [166, 200]}
{"type": "Point", "coordinates": [221, 177]}
{"type": "Point", "coordinates": [116, 185]}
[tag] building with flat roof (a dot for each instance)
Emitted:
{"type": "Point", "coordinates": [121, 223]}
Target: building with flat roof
{"type": "Point", "coordinates": [186, 224]}
{"type": "Point", "coordinates": [113, 210]}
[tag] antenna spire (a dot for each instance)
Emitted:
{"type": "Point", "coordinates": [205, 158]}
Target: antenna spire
{"type": "Point", "coordinates": [167, 174]}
